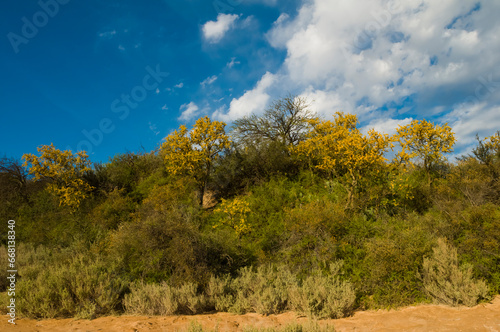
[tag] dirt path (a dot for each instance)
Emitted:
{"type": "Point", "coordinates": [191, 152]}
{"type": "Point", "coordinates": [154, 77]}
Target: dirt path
{"type": "Point", "coordinates": [484, 317]}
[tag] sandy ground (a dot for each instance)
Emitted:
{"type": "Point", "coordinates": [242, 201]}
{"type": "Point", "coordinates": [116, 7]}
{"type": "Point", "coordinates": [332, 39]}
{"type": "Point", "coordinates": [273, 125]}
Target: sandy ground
{"type": "Point", "coordinates": [484, 317]}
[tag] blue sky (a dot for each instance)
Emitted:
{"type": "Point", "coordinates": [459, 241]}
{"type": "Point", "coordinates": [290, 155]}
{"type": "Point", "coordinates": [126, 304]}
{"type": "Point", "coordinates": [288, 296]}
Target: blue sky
{"type": "Point", "coordinates": [116, 76]}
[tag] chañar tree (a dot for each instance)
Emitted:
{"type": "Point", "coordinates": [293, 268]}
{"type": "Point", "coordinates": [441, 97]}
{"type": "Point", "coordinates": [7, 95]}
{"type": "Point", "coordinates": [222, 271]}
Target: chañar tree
{"type": "Point", "coordinates": [194, 153]}
{"type": "Point", "coordinates": [339, 148]}
{"type": "Point", "coordinates": [64, 172]}
{"type": "Point", "coordinates": [425, 143]}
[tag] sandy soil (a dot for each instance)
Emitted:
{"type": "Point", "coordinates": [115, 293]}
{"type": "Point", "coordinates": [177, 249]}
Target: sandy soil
{"type": "Point", "coordinates": [484, 317]}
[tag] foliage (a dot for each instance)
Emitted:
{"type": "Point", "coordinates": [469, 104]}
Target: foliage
{"type": "Point", "coordinates": [162, 299]}
{"type": "Point", "coordinates": [313, 231]}
{"type": "Point", "coordinates": [478, 241]}
{"type": "Point", "coordinates": [14, 181]}
{"type": "Point", "coordinates": [271, 289]}
{"type": "Point", "coordinates": [194, 153]}
{"type": "Point", "coordinates": [166, 244]}
{"type": "Point", "coordinates": [448, 283]}
{"type": "Point", "coordinates": [292, 200]}
{"type": "Point", "coordinates": [311, 326]}
{"type": "Point", "coordinates": [75, 285]}
{"type": "Point", "coordinates": [425, 142]}
{"type": "Point", "coordinates": [339, 148]}
{"type": "Point", "coordinates": [234, 214]}
{"type": "Point", "coordinates": [64, 170]}
{"type": "Point", "coordinates": [264, 290]}
{"type": "Point", "coordinates": [324, 296]}
{"type": "Point", "coordinates": [392, 258]}
{"type": "Point", "coordinates": [114, 210]}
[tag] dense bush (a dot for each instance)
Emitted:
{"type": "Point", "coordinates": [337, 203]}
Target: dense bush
{"type": "Point", "coordinates": [324, 295]}
{"type": "Point", "coordinates": [448, 283]}
{"type": "Point", "coordinates": [162, 299]}
{"type": "Point", "coordinates": [67, 284]}
{"type": "Point", "coordinates": [274, 223]}
{"type": "Point", "coordinates": [267, 289]}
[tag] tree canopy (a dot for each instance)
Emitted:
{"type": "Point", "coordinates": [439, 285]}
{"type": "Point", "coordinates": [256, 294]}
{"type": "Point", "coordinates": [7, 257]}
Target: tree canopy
{"type": "Point", "coordinates": [339, 148]}
{"type": "Point", "coordinates": [424, 143]}
{"type": "Point", "coordinates": [194, 153]}
{"type": "Point", "coordinates": [64, 171]}
{"type": "Point", "coordinates": [285, 121]}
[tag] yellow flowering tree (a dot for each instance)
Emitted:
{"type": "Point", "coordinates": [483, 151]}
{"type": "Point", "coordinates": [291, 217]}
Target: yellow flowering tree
{"type": "Point", "coordinates": [493, 144]}
{"type": "Point", "coordinates": [234, 214]}
{"type": "Point", "coordinates": [425, 142]}
{"type": "Point", "coordinates": [340, 148]}
{"type": "Point", "coordinates": [194, 153]}
{"type": "Point", "coordinates": [63, 170]}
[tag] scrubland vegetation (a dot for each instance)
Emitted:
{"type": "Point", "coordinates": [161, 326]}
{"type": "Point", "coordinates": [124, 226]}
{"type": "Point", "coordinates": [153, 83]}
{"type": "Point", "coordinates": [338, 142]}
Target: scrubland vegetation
{"type": "Point", "coordinates": [285, 211]}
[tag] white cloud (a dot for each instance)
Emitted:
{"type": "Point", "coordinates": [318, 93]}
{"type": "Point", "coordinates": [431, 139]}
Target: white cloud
{"type": "Point", "coordinates": [253, 101]}
{"type": "Point", "coordinates": [322, 102]}
{"type": "Point", "coordinates": [386, 125]}
{"type": "Point", "coordinates": [208, 80]}
{"type": "Point", "coordinates": [359, 56]}
{"type": "Point", "coordinates": [180, 85]}
{"type": "Point", "coordinates": [232, 63]}
{"type": "Point", "coordinates": [189, 111]}
{"type": "Point", "coordinates": [468, 120]}
{"type": "Point", "coordinates": [214, 31]}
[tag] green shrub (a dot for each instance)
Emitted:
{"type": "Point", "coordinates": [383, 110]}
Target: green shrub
{"type": "Point", "coordinates": [263, 290]}
{"type": "Point", "coordinates": [448, 283]}
{"type": "Point", "coordinates": [162, 299]}
{"type": "Point", "coordinates": [313, 230]}
{"type": "Point", "coordinates": [387, 274]}
{"type": "Point", "coordinates": [324, 295]}
{"type": "Point", "coordinates": [56, 286]}
{"type": "Point", "coordinates": [478, 243]}
{"type": "Point", "coordinates": [114, 210]}
{"type": "Point", "coordinates": [294, 327]}
{"type": "Point", "coordinates": [219, 293]}
{"type": "Point", "coordinates": [271, 289]}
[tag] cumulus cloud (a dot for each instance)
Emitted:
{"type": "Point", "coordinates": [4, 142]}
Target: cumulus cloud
{"type": "Point", "coordinates": [468, 120]}
{"type": "Point", "coordinates": [374, 57]}
{"type": "Point", "coordinates": [214, 31]}
{"type": "Point", "coordinates": [189, 111]}
{"type": "Point", "coordinates": [253, 101]}
{"type": "Point", "coordinates": [386, 125]}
